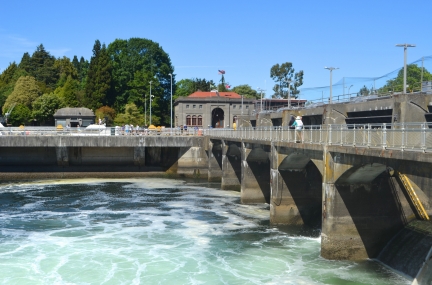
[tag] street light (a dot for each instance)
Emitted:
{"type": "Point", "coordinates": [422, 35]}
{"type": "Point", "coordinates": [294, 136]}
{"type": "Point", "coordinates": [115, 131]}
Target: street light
{"type": "Point", "coordinates": [331, 72]}
{"type": "Point", "coordinates": [150, 102]}
{"type": "Point", "coordinates": [289, 95]}
{"type": "Point", "coordinates": [349, 89]}
{"type": "Point", "coordinates": [171, 102]}
{"type": "Point", "coordinates": [145, 109]}
{"type": "Point", "coordinates": [261, 90]}
{"type": "Point", "coordinates": [405, 46]}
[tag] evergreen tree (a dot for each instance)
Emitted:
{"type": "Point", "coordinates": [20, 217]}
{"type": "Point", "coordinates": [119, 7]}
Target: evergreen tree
{"type": "Point", "coordinates": [99, 77]}
{"type": "Point", "coordinates": [42, 67]}
{"type": "Point", "coordinates": [26, 63]}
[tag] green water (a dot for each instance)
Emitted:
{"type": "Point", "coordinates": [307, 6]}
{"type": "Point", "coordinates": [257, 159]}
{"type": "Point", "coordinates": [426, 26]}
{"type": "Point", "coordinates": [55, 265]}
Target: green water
{"type": "Point", "coordinates": [157, 231]}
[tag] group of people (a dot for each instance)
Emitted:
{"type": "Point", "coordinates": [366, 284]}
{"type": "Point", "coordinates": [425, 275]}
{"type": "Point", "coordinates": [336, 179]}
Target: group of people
{"type": "Point", "coordinates": [127, 129]}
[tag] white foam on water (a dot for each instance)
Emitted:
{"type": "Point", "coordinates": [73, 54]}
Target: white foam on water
{"type": "Point", "coordinates": [152, 231]}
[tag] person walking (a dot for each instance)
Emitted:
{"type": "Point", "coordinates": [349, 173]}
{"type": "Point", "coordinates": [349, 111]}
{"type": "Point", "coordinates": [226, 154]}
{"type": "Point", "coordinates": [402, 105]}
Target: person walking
{"type": "Point", "coordinates": [298, 125]}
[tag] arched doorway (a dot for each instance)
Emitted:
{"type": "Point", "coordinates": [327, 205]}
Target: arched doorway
{"type": "Point", "coordinates": [217, 118]}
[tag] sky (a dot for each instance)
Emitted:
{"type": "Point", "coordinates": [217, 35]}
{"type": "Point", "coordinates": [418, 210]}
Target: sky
{"type": "Point", "coordinates": [244, 38]}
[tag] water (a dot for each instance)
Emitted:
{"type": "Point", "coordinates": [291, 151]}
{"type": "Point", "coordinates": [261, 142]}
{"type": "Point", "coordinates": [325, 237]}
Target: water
{"type": "Point", "coordinates": [157, 231]}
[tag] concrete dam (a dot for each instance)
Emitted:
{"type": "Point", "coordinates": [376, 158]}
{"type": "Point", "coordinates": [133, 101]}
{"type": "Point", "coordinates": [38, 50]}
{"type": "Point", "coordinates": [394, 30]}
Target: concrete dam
{"type": "Point", "coordinates": [359, 171]}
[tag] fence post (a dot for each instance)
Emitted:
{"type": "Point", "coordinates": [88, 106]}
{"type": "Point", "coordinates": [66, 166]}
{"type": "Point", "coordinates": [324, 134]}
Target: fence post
{"type": "Point", "coordinates": [423, 146]}
{"type": "Point", "coordinates": [384, 136]}
{"type": "Point", "coordinates": [354, 135]}
{"type": "Point", "coordinates": [403, 137]}
{"type": "Point", "coordinates": [329, 135]}
{"type": "Point", "coordinates": [369, 135]}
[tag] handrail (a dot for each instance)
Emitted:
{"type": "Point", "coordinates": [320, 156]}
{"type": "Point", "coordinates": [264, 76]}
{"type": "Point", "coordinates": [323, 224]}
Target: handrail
{"type": "Point", "coordinates": [404, 137]}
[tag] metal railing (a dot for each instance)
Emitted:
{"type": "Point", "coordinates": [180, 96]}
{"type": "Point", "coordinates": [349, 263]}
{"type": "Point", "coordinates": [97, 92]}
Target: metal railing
{"type": "Point", "coordinates": [53, 131]}
{"type": "Point", "coordinates": [415, 136]}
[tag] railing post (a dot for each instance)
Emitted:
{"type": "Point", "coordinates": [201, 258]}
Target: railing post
{"type": "Point", "coordinates": [329, 135]}
{"type": "Point", "coordinates": [384, 136]}
{"type": "Point", "coordinates": [403, 137]}
{"type": "Point", "coordinates": [423, 143]}
{"type": "Point", "coordinates": [341, 135]}
{"type": "Point", "coordinates": [369, 135]}
{"type": "Point", "coordinates": [354, 135]}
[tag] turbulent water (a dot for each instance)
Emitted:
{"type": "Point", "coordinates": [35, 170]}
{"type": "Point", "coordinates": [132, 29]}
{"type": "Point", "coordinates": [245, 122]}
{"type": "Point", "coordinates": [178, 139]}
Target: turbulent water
{"type": "Point", "coordinates": [157, 231]}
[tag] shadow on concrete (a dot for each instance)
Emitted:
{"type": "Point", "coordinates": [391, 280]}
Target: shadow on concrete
{"type": "Point", "coordinates": [261, 171]}
{"type": "Point", "coordinates": [375, 209]}
{"type": "Point", "coordinates": [305, 189]}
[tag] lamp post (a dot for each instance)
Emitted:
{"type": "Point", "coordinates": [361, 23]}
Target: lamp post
{"type": "Point", "coordinates": [171, 102]}
{"type": "Point", "coordinates": [405, 46]}
{"type": "Point", "coordinates": [150, 101]}
{"type": "Point", "coordinates": [260, 90]}
{"type": "Point", "coordinates": [349, 89]}
{"type": "Point", "coordinates": [145, 109]}
{"type": "Point", "coordinates": [331, 87]}
{"type": "Point", "coordinates": [289, 95]}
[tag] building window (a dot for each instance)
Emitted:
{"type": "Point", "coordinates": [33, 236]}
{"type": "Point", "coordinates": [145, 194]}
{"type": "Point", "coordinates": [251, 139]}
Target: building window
{"type": "Point", "coordinates": [199, 120]}
{"type": "Point", "coordinates": [187, 106]}
{"type": "Point", "coordinates": [188, 120]}
{"type": "Point", "coordinates": [194, 120]}
{"type": "Point", "coordinates": [194, 106]}
{"type": "Point", "coordinates": [200, 106]}
{"type": "Point", "coordinates": [234, 106]}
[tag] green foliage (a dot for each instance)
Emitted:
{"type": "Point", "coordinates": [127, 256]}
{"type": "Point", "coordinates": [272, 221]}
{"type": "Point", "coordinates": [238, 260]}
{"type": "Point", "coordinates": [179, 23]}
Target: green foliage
{"type": "Point", "coordinates": [42, 67]}
{"type": "Point", "coordinates": [99, 77]}
{"type": "Point", "coordinates": [414, 77]}
{"type": "Point", "coordinates": [222, 87]}
{"type": "Point", "coordinates": [131, 116]}
{"type": "Point", "coordinates": [106, 112]}
{"type": "Point", "coordinates": [21, 115]}
{"type": "Point", "coordinates": [136, 62]}
{"type": "Point", "coordinates": [282, 74]}
{"type": "Point", "coordinates": [45, 106]}
{"type": "Point", "coordinates": [7, 81]}
{"type": "Point", "coordinates": [68, 92]}
{"type": "Point", "coordinates": [25, 92]}
{"type": "Point", "coordinates": [364, 91]}
{"type": "Point", "coordinates": [246, 91]}
{"type": "Point", "coordinates": [66, 69]}
{"type": "Point", "coordinates": [185, 87]}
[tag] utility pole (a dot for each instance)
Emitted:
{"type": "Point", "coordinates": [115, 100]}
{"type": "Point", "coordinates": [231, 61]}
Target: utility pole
{"type": "Point", "coordinates": [405, 46]}
{"type": "Point", "coordinates": [331, 84]}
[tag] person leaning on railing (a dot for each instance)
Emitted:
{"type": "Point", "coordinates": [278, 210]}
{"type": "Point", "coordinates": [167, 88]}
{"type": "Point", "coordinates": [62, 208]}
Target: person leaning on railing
{"type": "Point", "coordinates": [298, 125]}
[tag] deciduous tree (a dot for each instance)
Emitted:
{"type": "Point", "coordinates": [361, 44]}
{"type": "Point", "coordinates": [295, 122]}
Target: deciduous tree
{"type": "Point", "coordinates": [246, 91]}
{"type": "Point", "coordinates": [25, 92]}
{"type": "Point", "coordinates": [45, 106]}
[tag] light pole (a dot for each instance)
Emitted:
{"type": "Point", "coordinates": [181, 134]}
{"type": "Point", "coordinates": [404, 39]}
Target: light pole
{"type": "Point", "coordinates": [289, 95]}
{"type": "Point", "coordinates": [349, 89]}
{"type": "Point", "coordinates": [171, 101]}
{"type": "Point", "coordinates": [260, 90]}
{"type": "Point", "coordinates": [405, 46]}
{"type": "Point", "coordinates": [331, 87]}
{"type": "Point", "coordinates": [145, 110]}
{"type": "Point", "coordinates": [150, 101]}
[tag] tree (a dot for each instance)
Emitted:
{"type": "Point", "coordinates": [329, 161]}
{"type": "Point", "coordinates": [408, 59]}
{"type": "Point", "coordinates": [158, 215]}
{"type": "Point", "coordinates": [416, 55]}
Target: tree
{"type": "Point", "coordinates": [414, 76]}
{"type": "Point", "coordinates": [21, 115]}
{"type": "Point", "coordinates": [45, 106]}
{"type": "Point", "coordinates": [68, 92]}
{"type": "Point", "coordinates": [364, 91]}
{"type": "Point", "coordinates": [185, 87]}
{"type": "Point", "coordinates": [246, 91]}
{"type": "Point", "coordinates": [65, 68]}
{"type": "Point", "coordinates": [282, 74]}
{"type": "Point", "coordinates": [131, 116]}
{"type": "Point", "coordinates": [106, 112]}
{"type": "Point", "coordinates": [99, 77]}
{"type": "Point", "coordinates": [25, 92]}
{"type": "Point", "coordinates": [42, 67]}
{"type": "Point", "coordinates": [136, 62]}
{"type": "Point", "coordinates": [8, 79]}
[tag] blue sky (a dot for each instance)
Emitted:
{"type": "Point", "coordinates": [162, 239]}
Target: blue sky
{"type": "Point", "coordinates": [245, 38]}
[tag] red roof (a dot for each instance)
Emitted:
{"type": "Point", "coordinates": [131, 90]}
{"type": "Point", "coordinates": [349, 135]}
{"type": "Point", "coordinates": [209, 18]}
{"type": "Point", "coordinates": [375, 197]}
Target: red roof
{"type": "Point", "coordinates": [201, 94]}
